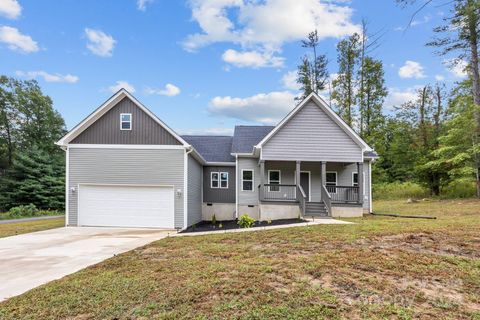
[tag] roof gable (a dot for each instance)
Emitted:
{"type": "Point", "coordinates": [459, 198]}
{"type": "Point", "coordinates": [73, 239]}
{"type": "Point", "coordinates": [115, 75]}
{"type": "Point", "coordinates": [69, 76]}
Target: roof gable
{"type": "Point", "coordinates": [114, 101]}
{"type": "Point", "coordinates": [319, 102]}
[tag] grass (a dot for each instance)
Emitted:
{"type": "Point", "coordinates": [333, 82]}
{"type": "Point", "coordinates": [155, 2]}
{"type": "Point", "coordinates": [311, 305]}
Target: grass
{"type": "Point", "coordinates": [378, 268]}
{"type": "Point", "coordinates": [12, 229]}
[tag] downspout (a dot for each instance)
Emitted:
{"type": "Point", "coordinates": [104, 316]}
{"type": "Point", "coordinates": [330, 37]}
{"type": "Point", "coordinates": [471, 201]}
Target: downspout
{"type": "Point", "coordinates": [188, 150]}
{"type": "Point", "coordinates": [237, 186]}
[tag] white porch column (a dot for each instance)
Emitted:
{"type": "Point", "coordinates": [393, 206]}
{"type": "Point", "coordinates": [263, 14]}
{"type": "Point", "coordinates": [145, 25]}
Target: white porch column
{"type": "Point", "coordinates": [297, 172]}
{"type": "Point", "coordinates": [262, 178]}
{"type": "Point", "coordinates": [323, 174]}
{"type": "Point", "coordinates": [360, 181]}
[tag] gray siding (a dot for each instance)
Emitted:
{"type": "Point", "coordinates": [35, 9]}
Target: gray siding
{"type": "Point", "coordinates": [219, 195]}
{"type": "Point", "coordinates": [126, 166]}
{"type": "Point", "coordinates": [248, 197]}
{"type": "Point", "coordinates": [145, 130]}
{"type": "Point", "coordinates": [194, 191]}
{"type": "Point", "coordinates": [311, 135]}
{"type": "Point", "coordinates": [345, 177]}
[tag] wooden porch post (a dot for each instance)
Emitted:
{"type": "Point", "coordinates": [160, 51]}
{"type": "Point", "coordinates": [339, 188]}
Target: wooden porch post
{"type": "Point", "coordinates": [297, 172]}
{"type": "Point", "coordinates": [323, 174]}
{"type": "Point", "coordinates": [262, 178]}
{"type": "Point", "coordinates": [360, 181]}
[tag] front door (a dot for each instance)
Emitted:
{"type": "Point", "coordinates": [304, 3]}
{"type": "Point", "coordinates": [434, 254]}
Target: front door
{"type": "Point", "coordinates": [305, 183]}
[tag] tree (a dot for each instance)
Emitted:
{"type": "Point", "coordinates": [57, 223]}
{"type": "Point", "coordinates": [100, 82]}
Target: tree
{"type": "Point", "coordinates": [9, 120]}
{"type": "Point", "coordinates": [343, 86]}
{"type": "Point", "coordinates": [312, 75]}
{"type": "Point", "coordinates": [35, 177]}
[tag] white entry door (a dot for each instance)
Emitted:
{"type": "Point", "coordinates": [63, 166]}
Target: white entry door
{"type": "Point", "coordinates": [126, 206]}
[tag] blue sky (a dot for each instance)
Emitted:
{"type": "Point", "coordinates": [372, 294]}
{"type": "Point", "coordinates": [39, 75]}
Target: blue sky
{"type": "Point", "coordinates": [203, 65]}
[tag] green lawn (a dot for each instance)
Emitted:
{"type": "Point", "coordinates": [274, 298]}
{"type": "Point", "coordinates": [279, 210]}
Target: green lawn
{"type": "Point", "coordinates": [11, 229]}
{"type": "Point", "coordinates": [378, 268]}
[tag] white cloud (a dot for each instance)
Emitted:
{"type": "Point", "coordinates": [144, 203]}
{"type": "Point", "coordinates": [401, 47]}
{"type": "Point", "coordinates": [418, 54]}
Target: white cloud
{"type": "Point", "coordinates": [100, 43]}
{"type": "Point", "coordinates": [266, 108]}
{"type": "Point", "coordinates": [142, 4]}
{"type": "Point", "coordinates": [48, 77]}
{"type": "Point", "coordinates": [170, 90]}
{"type": "Point", "coordinates": [289, 80]}
{"type": "Point", "coordinates": [458, 68]}
{"type": "Point", "coordinates": [396, 97]}
{"type": "Point", "coordinates": [252, 59]}
{"type": "Point", "coordinates": [10, 9]}
{"type": "Point", "coordinates": [423, 20]}
{"type": "Point", "coordinates": [121, 84]}
{"type": "Point", "coordinates": [264, 26]}
{"type": "Point", "coordinates": [439, 77]}
{"type": "Point", "coordinates": [207, 131]}
{"type": "Point", "coordinates": [411, 69]}
{"type": "Point", "coordinates": [16, 41]}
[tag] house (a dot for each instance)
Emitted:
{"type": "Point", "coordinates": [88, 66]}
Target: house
{"type": "Point", "coordinates": [127, 168]}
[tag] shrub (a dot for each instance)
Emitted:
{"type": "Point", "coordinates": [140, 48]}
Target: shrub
{"type": "Point", "coordinates": [29, 210]}
{"type": "Point", "coordinates": [399, 190]}
{"type": "Point", "coordinates": [461, 188]}
{"type": "Point", "coordinates": [246, 221]}
{"type": "Point", "coordinates": [214, 220]}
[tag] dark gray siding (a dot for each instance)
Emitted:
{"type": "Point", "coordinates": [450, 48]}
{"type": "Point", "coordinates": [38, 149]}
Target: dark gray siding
{"type": "Point", "coordinates": [145, 130]}
{"type": "Point", "coordinates": [126, 166]}
{"type": "Point", "coordinates": [219, 195]}
{"type": "Point", "coordinates": [311, 135]}
{"type": "Point", "coordinates": [194, 177]}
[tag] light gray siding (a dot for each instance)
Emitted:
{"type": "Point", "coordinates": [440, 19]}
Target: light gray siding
{"type": "Point", "coordinates": [145, 130]}
{"type": "Point", "coordinates": [345, 178]}
{"type": "Point", "coordinates": [220, 195]}
{"type": "Point", "coordinates": [248, 197]}
{"type": "Point", "coordinates": [127, 167]}
{"type": "Point", "coordinates": [194, 191]}
{"type": "Point", "coordinates": [311, 135]}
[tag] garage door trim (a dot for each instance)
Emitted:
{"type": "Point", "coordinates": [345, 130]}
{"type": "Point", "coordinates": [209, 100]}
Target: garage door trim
{"type": "Point", "coordinates": [126, 185]}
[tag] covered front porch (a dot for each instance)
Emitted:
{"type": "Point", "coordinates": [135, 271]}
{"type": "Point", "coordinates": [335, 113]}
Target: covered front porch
{"type": "Point", "coordinates": [317, 187]}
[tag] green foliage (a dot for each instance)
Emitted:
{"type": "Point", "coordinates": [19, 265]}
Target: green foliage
{"type": "Point", "coordinates": [28, 210]}
{"type": "Point", "coordinates": [214, 220]}
{"type": "Point", "coordinates": [461, 188]}
{"type": "Point", "coordinates": [246, 221]}
{"type": "Point", "coordinates": [398, 190]}
{"type": "Point", "coordinates": [36, 177]}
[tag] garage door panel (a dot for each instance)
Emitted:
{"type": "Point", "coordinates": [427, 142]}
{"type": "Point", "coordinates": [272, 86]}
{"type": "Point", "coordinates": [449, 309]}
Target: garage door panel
{"type": "Point", "coordinates": [126, 206]}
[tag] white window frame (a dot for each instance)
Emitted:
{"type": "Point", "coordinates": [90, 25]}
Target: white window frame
{"type": "Point", "coordinates": [353, 173]}
{"type": "Point", "coordinates": [253, 180]}
{"type": "Point", "coordinates": [121, 121]}
{"type": "Point", "coordinates": [336, 180]}
{"type": "Point", "coordinates": [220, 179]}
{"type": "Point", "coordinates": [211, 180]}
{"type": "Point", "coordinates": [353, 179]}
{"type": "Point", "coordinates": [270, 181]}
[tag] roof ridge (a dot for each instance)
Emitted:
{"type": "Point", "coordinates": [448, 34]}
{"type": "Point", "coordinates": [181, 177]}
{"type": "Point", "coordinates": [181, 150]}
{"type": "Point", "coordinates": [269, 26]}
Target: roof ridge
{"type": "Point", "coordinates": [205, 135]}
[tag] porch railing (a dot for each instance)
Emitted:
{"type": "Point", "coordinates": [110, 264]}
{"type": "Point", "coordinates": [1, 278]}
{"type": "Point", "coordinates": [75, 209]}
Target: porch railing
{"type": "Point", "coordinates": [302, 199]}
{"type": "Point", "coordinates": [343, 194]}
{"type": "Point", "coordinates": [278, 192]}
{"type": "Point", "coordinates": [327, 199]}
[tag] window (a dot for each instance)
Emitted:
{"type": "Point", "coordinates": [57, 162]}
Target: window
{"type": "Point", "coordinates": [214, 180]}
{"type": "Point", "coordinates": [219, 180]}
{"type": "Point", "coordinates": [224, 180]}
{"type": "Point", "coordinates": [247, 180]}
{"type": "Point", "coordinates": [125, 121]}
{"type": "Point", "coordinates": [331, 182]}
{"type": "Point", "coordinates": [355, 179]}
{"type": "Point", "coordinates": [274, 178]}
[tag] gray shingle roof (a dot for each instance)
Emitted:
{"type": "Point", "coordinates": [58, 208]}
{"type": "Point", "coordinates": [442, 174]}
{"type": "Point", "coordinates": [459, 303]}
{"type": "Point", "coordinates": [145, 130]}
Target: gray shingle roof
{"type": "Point", "coordinates": [370, 154]}
{"type": "Point", "coordinates": [246, 137]}
{"type": "Point", "coordinates": [212, 148]}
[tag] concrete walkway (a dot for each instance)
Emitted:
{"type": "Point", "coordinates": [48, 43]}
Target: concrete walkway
{"type": "Point", "coordinates": [310, 222]}
{"type": "Point", "coordinates": [30, 219]}
{"type": "Point", "coordinates": [32, 259]}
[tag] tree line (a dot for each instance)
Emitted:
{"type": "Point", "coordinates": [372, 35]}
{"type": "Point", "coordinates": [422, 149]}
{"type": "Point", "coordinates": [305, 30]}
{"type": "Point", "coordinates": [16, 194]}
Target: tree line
{"type": "Point", "coordinates": [31, 165]}
{"type": "Point", "coordinates": [434, 139]}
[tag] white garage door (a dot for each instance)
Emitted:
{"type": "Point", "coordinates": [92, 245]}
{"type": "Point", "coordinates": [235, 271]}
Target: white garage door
{"type": "Point", "coordinates": [126, 206]}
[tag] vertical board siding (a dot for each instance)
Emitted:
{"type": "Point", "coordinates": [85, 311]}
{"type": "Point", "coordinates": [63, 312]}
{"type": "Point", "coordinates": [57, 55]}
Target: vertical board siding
{"type": "Point", "coordinates": [248, 197]}
{"type": "Point", "coordinates": [195, 172]}
{"type": "Point", "coordinates": [219, 195]}
{"type": "Point", "coordinates": [311, 135]}
{"type": "Point", "coordinates": [126, 167]}
{"type": "Point", "coordinates": [145, 130]}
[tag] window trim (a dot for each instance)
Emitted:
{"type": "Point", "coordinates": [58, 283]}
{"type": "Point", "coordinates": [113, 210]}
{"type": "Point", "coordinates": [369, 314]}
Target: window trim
{"type": "Point", "coordinates": [253, 180]}
{"type": "Point", "coordinates": [211, 180]}
{"type": "Point", "coordinates": [336, 180]}
{"type": "Point", "coordinates": [353, 173]}
{"type": "Point", "coordinates": [270, 181]}
{"type": "Point", "coordinates": [353, 179]}
{"type": "Point", "coordinates": [220, 179]}
{"type": "Point", "coordinates": [121, 121]}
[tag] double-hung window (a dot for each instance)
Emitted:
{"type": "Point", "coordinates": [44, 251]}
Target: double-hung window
{"type": "Point", "coordinates": [355, 179]}
{"type": "Point", "coordinates": [247, 180]}
{"type": "Point", "coordinates": [274, 178]}
{"type": "Point", "coordinates": [125, 121]}
{"type": "Point", "coordinates": [219, 180]}
{"type": "Point", "coordinates": [331, 182]}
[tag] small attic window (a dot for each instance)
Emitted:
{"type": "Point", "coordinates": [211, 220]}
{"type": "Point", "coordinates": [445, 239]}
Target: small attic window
{"type": "Point", "coordinates": [125, 121]}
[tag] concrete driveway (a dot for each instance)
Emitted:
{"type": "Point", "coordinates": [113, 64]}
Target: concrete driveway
{"type": "Point", "coordinates": [32, 259]}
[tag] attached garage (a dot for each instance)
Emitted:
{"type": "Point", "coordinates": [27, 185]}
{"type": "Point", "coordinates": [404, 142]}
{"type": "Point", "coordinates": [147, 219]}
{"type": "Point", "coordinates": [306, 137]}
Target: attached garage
{"type": "Point", "coordinates": [126, 206]}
